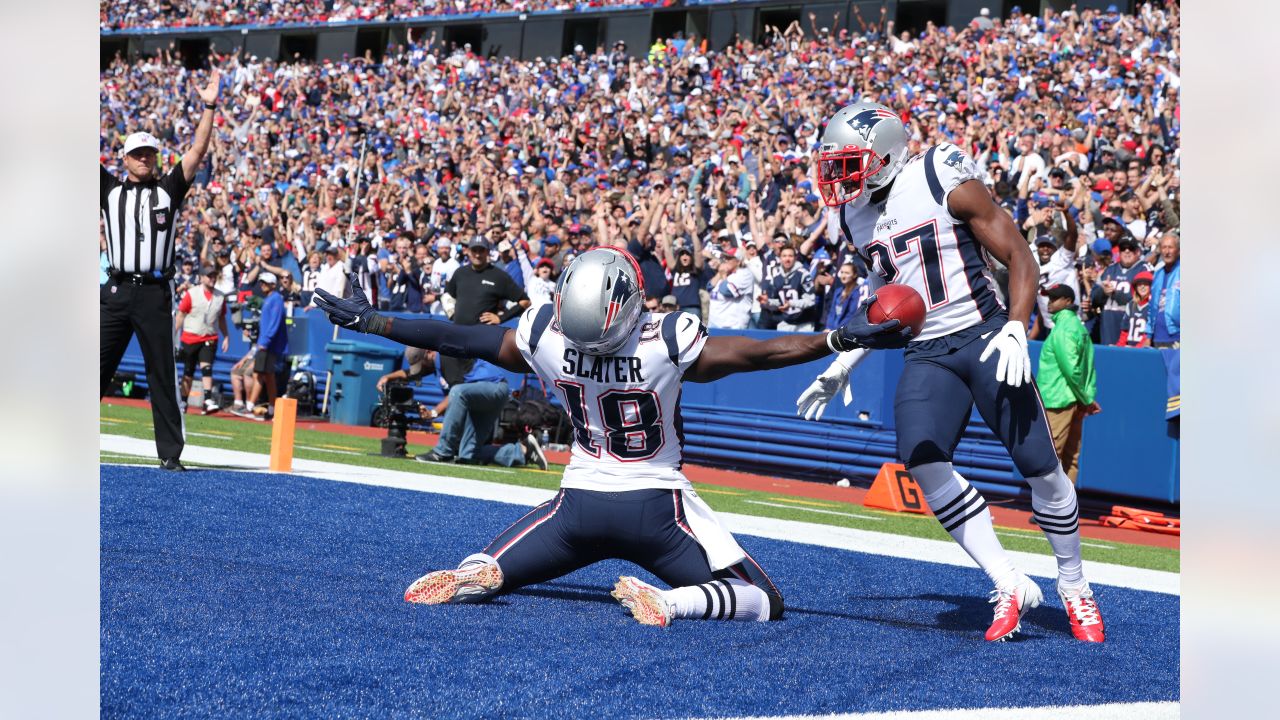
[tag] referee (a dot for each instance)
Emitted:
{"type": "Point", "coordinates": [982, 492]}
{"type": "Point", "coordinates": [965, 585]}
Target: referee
{"type": "Point", "coordinates": [140, 216]}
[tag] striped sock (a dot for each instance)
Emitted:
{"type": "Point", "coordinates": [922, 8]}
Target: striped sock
{"type": "Point", "coordinates": [1055, 510]}
{"type": "Point", "coordinates": [728, 599]}
{"type": "Point", "coordinates": [962, 512]}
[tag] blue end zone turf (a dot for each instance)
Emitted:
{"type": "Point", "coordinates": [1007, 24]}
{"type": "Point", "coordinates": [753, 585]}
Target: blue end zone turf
{"type": "Point", "coordinates": [231, 595]}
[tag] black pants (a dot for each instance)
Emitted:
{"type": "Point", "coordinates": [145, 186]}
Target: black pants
{"type": "Point", "coordinates": [147, 310]}
{"type": "Point", "coordinates": [201, 355]}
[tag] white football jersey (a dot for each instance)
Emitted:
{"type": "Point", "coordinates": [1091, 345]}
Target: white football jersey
{"type": "Point", "coordinates": [625, 407]}
{"type": "Point", "coordinates": [912, 239]}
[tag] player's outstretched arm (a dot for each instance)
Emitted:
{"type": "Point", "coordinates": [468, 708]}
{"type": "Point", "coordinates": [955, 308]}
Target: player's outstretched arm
{"type": "Point", "coordinates": [492, 343]}
{"type": "Point", "coordinates": [729, 354]}
{"type": "Point", "coordinates": [726, 355]}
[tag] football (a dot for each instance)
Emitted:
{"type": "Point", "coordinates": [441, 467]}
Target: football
{"type": "Point", "coordinates": [898, 302]}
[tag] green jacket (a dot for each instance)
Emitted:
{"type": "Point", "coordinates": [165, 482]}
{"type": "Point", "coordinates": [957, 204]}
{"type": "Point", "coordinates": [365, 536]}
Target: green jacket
{"type": "Point", "coordinates": [1066, 363]}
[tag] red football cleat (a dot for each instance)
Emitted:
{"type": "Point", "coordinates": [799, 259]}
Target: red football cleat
{"type": "Point", "coordinates": [1082, 611]}
{"type": "Point", "coordinates": [1011, 604]}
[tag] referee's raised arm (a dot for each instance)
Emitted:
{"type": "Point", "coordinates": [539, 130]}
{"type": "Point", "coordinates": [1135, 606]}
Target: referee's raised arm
{"type": "Point", "coordinates": [194, 155]}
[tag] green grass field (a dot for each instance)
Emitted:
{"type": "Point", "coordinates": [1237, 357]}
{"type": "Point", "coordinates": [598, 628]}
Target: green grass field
{"type": "Point", "coordinates": [230, 434]}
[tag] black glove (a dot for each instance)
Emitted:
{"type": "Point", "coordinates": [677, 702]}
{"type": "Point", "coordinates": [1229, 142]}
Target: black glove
{"type": "Point", "coordinates": [352, 312]}
{"type": "Point", "coordinates": [861, 333]}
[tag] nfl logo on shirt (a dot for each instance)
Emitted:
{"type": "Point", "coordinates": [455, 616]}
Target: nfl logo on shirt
{"type": "Point", "coordinates": [160, 217]}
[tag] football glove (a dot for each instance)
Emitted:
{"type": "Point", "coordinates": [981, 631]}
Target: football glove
{"type": "Point", "coordinates": [354, 311]}
{"type": "Point", "coordinates": [1014, 365]}
{"type": "Point", "coordinates": [862, 333]}
{"type": "Point", "coordinates": [813, 401]}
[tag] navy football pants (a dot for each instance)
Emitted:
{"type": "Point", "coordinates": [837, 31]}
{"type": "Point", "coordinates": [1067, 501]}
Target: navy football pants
{"type": "Point", "coordinates": [579, 527]}
{"type": "Point", "coordinates": [942, 380]}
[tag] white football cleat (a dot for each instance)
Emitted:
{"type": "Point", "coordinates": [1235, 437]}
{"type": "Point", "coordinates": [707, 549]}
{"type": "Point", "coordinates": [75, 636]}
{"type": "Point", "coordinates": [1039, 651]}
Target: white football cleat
{"type": "Point", "coordinates": [472, 581]}
{"type": "Point", "coordinates": [1011, 605]}
{"type": "Point", "coordinates": [644, 601]}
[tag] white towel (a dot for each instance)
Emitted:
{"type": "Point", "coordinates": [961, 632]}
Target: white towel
{"type": "Point", "coordinates": [722, 550]}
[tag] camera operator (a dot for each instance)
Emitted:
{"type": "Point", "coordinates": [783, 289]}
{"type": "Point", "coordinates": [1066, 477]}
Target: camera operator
{"type": "Point", "coordinates": [418, 363]}
{"type": "Point", "coordinates": [469, 413]}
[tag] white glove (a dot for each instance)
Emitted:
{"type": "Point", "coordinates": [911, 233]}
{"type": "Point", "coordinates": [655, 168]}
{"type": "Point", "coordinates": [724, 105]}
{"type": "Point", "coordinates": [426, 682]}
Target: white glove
{"type": "Point", "coordinates": [813, 401]}
{"type": "Point", "coordinates": [1014, 366]}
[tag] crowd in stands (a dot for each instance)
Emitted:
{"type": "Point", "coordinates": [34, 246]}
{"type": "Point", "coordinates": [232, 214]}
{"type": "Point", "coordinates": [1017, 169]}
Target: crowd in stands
{"type": "Point", "coordinates": [150, 14]}
{"type": "Point", "coordinates": [698, 161]}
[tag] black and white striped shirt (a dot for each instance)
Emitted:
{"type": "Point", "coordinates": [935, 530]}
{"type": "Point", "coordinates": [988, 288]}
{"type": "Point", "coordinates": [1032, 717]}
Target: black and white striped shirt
{"type": "Point", "coordinates": [139, 219]}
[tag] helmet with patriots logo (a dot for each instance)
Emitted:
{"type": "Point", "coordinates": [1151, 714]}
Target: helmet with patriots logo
{"type": "Point", "coordinates": [599, 300]}
{"type": "Point", "coordinates": [863, 148]}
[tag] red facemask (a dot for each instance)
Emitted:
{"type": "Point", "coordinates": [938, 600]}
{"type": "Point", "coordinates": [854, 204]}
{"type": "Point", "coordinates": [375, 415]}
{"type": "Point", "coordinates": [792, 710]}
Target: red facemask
{"type": "Point", "coordinates": [842, 174]}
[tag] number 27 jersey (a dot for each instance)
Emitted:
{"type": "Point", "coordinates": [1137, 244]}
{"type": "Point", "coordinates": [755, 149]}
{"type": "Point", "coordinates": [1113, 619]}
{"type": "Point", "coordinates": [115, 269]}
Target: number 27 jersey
{"type": "Point", "coordinates": [625, 407]}
{"type": "Point", "coordinates": [912, 239]}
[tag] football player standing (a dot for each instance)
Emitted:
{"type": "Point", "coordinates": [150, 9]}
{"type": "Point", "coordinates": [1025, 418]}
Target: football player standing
{"type": "Point", "coordinates": [928, 222]}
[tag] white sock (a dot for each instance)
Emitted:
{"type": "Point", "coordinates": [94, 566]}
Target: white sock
{"type": "Point", "coordinates": [728, 599]}
{"type": "Point", "coordinates": [477, 559]}
{"type": "Point", "coordinates": [963, 513]}
{"type": "Point", "coordinates": [1055, 510]}
{"type": "Point", "coordinates": [238, 404]}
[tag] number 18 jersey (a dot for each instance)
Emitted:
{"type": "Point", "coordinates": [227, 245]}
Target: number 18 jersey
{"type": "Point", "coordinates": [625, 407]}
{"type": "Point", "coordinates": [912, 239]}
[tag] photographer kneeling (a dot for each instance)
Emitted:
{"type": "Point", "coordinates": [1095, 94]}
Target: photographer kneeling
{"type": "Point", "coordinates": [477, 393]}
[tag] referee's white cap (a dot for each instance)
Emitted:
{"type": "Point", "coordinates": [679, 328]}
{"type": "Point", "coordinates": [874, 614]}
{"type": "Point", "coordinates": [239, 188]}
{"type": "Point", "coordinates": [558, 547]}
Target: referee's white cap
{"type": "Point", "coordinates": [140, 140]}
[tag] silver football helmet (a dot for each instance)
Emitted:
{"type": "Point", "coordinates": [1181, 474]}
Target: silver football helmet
{"type": "Point", "coordinates": [599, 300]}
{"type": "Point", "coordinates": [863, 148]}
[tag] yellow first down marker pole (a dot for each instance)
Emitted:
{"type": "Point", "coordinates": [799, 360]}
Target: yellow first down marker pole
{"type": "Point", "coordinates": [282, 434]}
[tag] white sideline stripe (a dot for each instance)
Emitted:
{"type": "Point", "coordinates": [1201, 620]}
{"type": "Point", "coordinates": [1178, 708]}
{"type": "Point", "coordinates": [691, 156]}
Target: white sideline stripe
{"type": "Point", "coordinates": [863, 541]}
{"type": "Point", "coordinates": [254, 462]}
{"type": "Point", "coordinates": [1085, 543]}
{"type": "Point", "coordinates": [1108, 711]}
{"type": "Point", "coordinates": [814, 510]}
{"type": "Point", "coordinates": [193, 433]}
